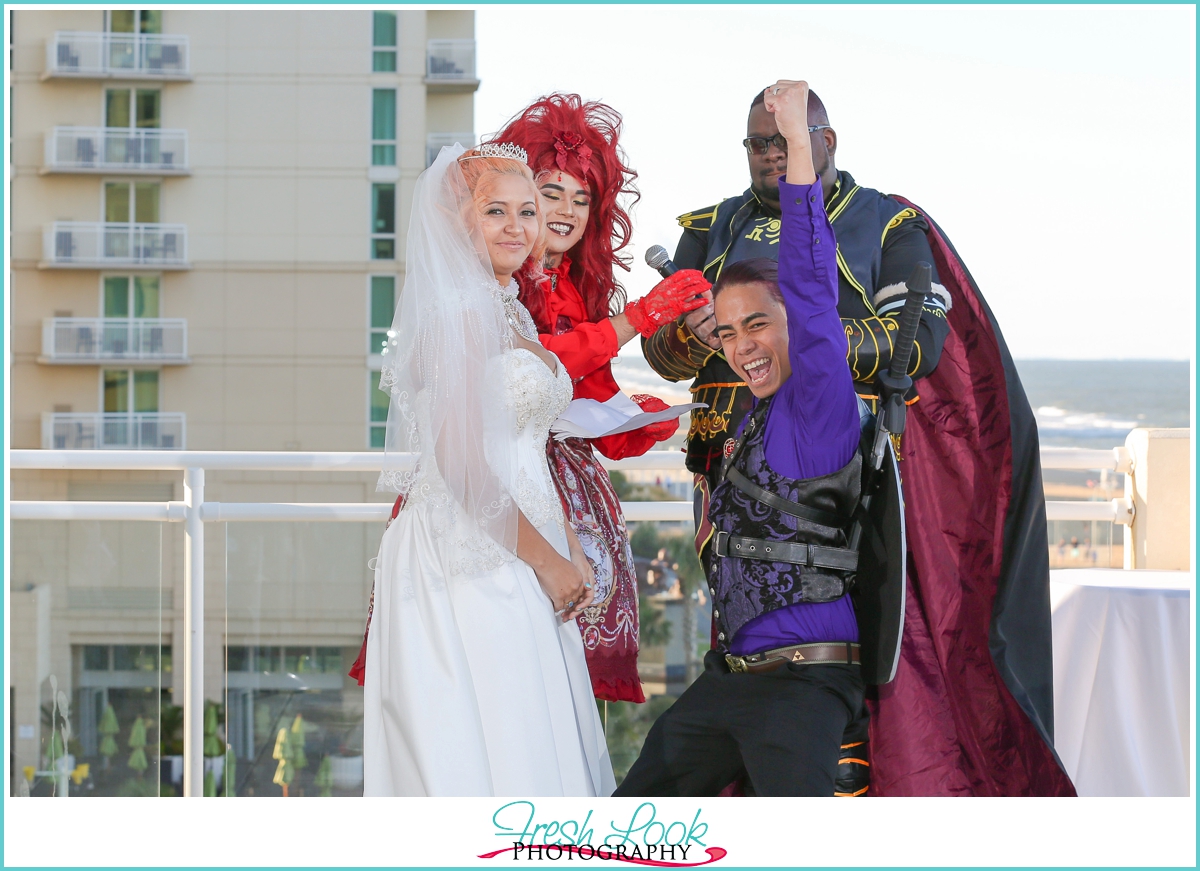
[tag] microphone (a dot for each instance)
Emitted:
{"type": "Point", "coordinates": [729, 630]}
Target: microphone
{"type": "Point", "coordinates": [658, 260]}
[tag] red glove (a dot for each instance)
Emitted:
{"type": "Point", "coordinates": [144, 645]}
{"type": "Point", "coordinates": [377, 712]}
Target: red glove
{"type": "Point", "coordinates": [662, 430]}
{"type": "Point", "coordinates": [667, 300]}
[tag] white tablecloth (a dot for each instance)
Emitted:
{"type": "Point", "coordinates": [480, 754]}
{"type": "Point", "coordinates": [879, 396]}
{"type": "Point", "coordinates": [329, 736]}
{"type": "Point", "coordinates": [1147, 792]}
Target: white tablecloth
{"type": "Point", "coordinates": [1122, 680]}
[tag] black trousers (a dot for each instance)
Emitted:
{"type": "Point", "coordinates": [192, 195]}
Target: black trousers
{"type": "Point", "coordinates": [782, 730]}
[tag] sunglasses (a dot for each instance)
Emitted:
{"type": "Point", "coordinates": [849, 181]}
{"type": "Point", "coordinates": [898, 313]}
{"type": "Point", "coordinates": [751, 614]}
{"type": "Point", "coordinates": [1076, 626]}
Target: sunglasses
{"type": "Point", "coordinates": [761, 144]}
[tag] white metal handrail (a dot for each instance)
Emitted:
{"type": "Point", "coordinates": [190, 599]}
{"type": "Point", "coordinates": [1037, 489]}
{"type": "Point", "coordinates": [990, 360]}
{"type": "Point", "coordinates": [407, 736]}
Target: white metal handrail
{"type": "Point", "coordinates": [1119, 511]}
{"type": "Point", "coordinates": [116, 149]}
{"type": "Point", "coordinates": [162, 512]}
{"type": "Point", "coordinates": [72, 340]}
{"type": "Point", "coordinates": [1115, 460]}
{"type": "Point", "coordinates": [195, 512]}
{"type": "Point", "coordinates": [100, 243]}
{"type": "Point", "coordinates": [101, 54]}
{"type": "Point", "coordinates": [435, 142]}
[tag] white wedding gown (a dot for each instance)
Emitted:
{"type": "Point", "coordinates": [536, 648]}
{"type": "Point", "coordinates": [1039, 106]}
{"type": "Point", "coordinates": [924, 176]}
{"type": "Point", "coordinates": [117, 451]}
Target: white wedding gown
{"type": "Point", "coordinates": [473, 686]}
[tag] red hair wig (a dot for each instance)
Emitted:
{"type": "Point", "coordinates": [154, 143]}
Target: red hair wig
{"type": "Point", "coordinates": [562, 132]}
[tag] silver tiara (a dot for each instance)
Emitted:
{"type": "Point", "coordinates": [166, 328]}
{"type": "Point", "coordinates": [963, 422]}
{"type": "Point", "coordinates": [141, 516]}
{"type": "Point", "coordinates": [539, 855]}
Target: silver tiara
{"type": "Point", "coordinates": [500, 149]}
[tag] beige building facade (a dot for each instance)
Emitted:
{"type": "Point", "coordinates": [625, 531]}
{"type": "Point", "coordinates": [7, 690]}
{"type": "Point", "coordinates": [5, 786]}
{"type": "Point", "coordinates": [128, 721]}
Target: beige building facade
{"type": "Point", "coordinates": [209, 210]}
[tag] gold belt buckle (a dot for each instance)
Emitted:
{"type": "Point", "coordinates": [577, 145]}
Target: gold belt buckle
{"type": "Point", "coordinates": [737, 664]}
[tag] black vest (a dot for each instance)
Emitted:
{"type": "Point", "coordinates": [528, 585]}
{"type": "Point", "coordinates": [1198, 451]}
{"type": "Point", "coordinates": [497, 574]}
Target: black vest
{"type": "Point", "coordinates": [745, 586]}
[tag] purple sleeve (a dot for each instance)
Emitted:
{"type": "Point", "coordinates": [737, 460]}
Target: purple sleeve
{"type": "Point", "coordinates": [813, 427]}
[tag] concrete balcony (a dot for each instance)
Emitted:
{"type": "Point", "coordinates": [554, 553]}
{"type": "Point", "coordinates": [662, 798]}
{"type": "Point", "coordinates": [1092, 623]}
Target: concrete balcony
{"type": "Point", "coordinates": [99, 245]}
{"type": "Point", "coordinates": [114, 340]}
{"type": "Point", "coordinates": [133, 431]}
{"type": "Point", "coordinates": [450, 66]}
{"type": "Point", "coordinates": [116, 149]}
{"type": "Point", "coordinates": [79, 55]}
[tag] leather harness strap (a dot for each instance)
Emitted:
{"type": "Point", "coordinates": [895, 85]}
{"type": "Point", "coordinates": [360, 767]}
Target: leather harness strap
{"type": "Point", "coordinates": [795, 509]}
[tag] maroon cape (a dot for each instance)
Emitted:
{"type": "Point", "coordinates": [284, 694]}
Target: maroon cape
{"type": "Point", "coordinates": [971, 709]}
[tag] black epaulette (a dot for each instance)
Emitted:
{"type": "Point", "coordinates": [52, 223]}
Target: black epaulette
{"type": "Point", "coordinates": [701, 219]}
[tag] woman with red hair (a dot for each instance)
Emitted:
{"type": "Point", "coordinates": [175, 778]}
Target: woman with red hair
{"type": "Point", "coordinates": [582, 316]}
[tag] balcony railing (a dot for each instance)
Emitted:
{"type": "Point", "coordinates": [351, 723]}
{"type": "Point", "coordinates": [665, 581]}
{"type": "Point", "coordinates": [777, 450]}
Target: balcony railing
{"type": "Point", "coordinates": [104, 340]}
{"type": "Point", "coordinates": [85, 244]}
{"type": "Point", "coordinates": [195, 512]}
{"type": "Point", "coordinates": [116, 149]}
{"type": "Point", "coordinates": [143, 430]}
{"type": "Point", "coordinates": [451, 62]}
{"type": "Point", "coordinates": [117, 55]}
{"type": "Point", "coordinates": [435, 142]}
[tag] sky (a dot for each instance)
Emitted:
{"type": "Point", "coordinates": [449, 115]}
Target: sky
{"type": "Point", "coordinates": [1055, 146]}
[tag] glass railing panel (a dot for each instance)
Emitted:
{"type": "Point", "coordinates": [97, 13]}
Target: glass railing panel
{"type": "Point", "coordinates": [91, 665]}
{"type": "Point", "coordinates": [1076, 544]}
{"type": "Point", "coordinates": [675, 617]}
{"type": "Point", "coordinates": [295, 606]}
{"type": "Point", "coordinates": [295, 603]}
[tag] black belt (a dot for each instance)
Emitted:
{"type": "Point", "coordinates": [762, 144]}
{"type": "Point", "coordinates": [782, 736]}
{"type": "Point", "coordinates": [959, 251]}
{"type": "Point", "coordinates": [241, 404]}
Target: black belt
{"type": "Point", "coordinates": [811, 555]}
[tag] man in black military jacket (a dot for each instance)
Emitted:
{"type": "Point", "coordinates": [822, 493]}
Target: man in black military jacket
{"type": "Point", "coordinates": [878, 242]}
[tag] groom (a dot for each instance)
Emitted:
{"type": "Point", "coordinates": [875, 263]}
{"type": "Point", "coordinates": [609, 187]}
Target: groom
{"type": "Point", "coordinates": [784, 682]}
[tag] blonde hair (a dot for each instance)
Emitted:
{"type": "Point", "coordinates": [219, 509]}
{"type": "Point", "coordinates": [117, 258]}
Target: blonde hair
{"type": "Point", "coordinates": [481, 175]}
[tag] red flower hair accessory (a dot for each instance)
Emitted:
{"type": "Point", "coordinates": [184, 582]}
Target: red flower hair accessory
{"type": "Point", "coordinates": [567, 140]}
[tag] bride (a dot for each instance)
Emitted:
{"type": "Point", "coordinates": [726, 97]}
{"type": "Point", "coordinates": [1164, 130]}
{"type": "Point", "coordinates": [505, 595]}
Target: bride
{"type": "Point", "coordinates": [476, 681]}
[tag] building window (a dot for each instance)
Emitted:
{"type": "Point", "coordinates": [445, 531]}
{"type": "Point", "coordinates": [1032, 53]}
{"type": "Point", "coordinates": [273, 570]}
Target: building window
{"type": "Point", "coordinates": [130, 296]}
{"type": "Point", "coordinates": [384, 56]}
{"type": "Point", "coordinates": [382, 305]}
{"type": "Point", "coordinates": [95, 657]}
{"type": "Point", "coordinates": [383, 222]}
{"type": "Point", "coordinates": [129, 657]}
{"type": "Point", "coordinates": [383, 127]}
{"type": "Point", "coordinates": [377, 417]}
{"type": "Point", "coordinates": [135, 21]}
{"type": "Point", "coordinates": [133, 107]}
{"type": "Point", "coordinates": [130, 390]}
{"type": "Point", "coordinates": [131, 202]}
{"type": "Point", "coordinates": [284, 660]}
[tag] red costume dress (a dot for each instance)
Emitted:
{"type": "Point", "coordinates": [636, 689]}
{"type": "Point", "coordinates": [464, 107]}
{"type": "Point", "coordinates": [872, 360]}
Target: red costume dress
{"type": "Point", "coordinates": [610, 626]}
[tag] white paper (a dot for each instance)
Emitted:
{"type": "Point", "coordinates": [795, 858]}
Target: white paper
{"type": "Point", "coordinates": [589, 418]}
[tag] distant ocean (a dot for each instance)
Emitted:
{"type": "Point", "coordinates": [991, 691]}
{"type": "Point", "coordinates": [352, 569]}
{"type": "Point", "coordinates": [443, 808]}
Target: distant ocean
{"type": "Point", "coordinates": [1078, 403]}
{"type": "Point", "coordinates": [1085, 403]}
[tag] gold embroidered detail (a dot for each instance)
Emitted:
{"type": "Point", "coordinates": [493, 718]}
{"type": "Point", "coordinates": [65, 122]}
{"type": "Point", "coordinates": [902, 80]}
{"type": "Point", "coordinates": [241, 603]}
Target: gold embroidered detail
{"type": "Point", "coordinates": [765, 227]}
{"type": "Point", "coordinates": [707, 423]}
{"type": "Point", "coordinates": [895, 222]}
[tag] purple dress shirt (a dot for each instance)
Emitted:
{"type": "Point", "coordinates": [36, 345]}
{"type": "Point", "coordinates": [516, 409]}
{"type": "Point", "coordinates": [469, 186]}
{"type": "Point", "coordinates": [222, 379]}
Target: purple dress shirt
{"type": "Point", "coordinates": [813, 427]}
